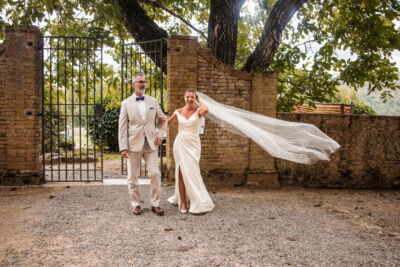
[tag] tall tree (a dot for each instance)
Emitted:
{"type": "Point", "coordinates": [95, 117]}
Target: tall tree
{"type": "Point", "coordinates": [277, 20]}
{"type": "Point", "coordinates": [141, 26]}
{"type": "Point", "coordinates": [223, 29]}
{"type": "Point", "coordinates": [307, 51]}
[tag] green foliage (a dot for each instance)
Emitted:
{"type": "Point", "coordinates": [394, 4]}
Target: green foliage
{"type": "Point", "coordinates": [249, 31]}
{"type": "Point", "coordinates": [363, 109]}
{"type": "Point", "coordinates": [103, 128]}
{"type": "Point", "coordinates": [309, 58]}
{"type": "Point", "coordinates": [346, 95]}
{"type": "Point", "coordinates": [188, 10]}
{"type": "Point", "coordinates": [96, 18]}
{"type": "Point", "coordinates": [390, 108]}
{"type": "Point", "coordinates": [53, 124]}
{"type": "Point", "coordinates": [66, 17]}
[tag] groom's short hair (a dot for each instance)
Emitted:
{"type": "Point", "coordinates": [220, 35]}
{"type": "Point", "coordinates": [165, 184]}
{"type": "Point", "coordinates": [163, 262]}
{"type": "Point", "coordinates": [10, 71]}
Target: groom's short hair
{"type": "Point", "coordinates": [138, 75]}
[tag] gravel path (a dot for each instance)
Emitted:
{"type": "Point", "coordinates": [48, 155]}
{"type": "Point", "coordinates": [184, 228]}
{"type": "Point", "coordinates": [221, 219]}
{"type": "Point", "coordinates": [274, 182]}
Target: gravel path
{"type": "Point", "coordinates": [92, 226]}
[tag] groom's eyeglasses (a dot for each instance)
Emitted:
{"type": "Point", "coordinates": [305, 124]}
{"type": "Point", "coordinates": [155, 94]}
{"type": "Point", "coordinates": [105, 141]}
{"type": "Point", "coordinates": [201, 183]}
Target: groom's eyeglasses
{"type": "Point", "coordinates": [141, 82]}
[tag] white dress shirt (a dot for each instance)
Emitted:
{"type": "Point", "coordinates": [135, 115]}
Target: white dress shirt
{"type": "Point", "coordinates": [141, 106]}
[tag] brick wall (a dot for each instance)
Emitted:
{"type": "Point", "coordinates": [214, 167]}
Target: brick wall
{"type": "Point", "coordinates": [20, 98]}
{"type": "Point", "coordinates": [369, 156]}
{"type": "Point", "coordinates": [226, 159]}
{"type": "Point", "coordinates": [2, 110]}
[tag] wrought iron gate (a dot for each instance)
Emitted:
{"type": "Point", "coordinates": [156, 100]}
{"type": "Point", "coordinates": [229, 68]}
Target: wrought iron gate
{"type": "Point", "coordinates": [145, 58]}
{"type": "Point", "coordinates": [72, 102]}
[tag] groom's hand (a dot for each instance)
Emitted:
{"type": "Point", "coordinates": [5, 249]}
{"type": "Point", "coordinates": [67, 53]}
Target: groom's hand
{"type": "Point", "coordinates": [125, 154]}
{"type": "Point", "coordinates": [158, 141]}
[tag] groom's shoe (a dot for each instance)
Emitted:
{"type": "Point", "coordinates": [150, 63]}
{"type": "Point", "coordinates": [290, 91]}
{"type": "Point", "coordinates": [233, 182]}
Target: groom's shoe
{"type": "Point", "coordinates": [137, 210]}
{"type": "Point", "coordinates": [157, 210]}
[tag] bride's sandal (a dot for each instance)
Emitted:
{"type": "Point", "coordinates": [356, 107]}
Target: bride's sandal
{"type": "Point", "coordinates": [185, 210]}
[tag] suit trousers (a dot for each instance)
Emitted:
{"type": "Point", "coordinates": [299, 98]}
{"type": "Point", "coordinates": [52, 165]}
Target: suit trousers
{"type": "Point", "coordinates": [151, 159]}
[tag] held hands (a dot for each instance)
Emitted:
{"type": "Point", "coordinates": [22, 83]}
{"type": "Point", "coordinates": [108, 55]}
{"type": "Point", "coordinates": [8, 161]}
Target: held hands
{"type": "Point", "coordinates": [125, 154]}
{"type": "Point", "coordinates": [158, 141]}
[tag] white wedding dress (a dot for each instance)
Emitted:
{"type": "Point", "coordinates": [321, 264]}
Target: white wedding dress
{"type": "Point", "coordinates": [187, 151]}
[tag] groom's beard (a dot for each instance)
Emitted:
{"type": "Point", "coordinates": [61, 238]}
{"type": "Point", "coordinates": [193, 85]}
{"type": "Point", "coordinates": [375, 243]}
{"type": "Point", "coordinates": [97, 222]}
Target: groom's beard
{"type": "Point", "coordinates": [141, 90]}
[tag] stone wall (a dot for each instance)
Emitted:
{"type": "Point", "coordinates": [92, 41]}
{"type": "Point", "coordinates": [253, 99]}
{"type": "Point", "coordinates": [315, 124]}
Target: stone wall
{"type": "Point", "coordinates": [369, 156]}
{"type": "Point", "coordinates": [20, 99]}
{"type": "Point", "coordinates": [226, 159]}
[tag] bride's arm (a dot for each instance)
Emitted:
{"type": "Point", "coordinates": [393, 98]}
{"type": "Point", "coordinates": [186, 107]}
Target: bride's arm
{"type": "Point", "coordinates": [203, 108]}
{"type": "Point", "coordinates": [172, 119]}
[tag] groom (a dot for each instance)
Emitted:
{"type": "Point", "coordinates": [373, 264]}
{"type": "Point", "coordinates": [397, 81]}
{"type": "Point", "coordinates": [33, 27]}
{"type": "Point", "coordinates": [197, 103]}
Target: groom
{"type": "Point", "coordinates": [138, 138]}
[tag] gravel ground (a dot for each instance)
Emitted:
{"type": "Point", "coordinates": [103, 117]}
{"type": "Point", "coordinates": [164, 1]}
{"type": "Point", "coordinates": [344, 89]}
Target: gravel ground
{"type": "Point", "coordinates": [92, 226]}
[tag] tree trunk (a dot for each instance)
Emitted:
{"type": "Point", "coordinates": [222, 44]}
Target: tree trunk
{"type": "Point", "coordinates": [264, 52]}
{"type": "Point", "coordinates": [223, 29]}
{"type": "Point", "coordinates": [143, 28]}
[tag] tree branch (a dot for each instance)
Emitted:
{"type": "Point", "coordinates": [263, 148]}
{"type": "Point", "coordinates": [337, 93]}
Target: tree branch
{"type": "Point", "coordinates": [143, 28]}
{"type": "Point", "coordinates": [277, 20]}
{"type": "Point", "coordinates": [305, 44]}
{"type": "Point", "coordinates": [158, 4]}
{"type": "Point", "coordinates": [292, 83]}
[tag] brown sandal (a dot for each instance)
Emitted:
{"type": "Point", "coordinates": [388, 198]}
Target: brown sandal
{"type": "Point", "coordinates": [137, 210]}
{"type": "Point", "coordinates": [157, 210]}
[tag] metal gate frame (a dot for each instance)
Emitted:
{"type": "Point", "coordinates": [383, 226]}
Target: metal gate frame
{"type": "Point", "coordinates": [144, 58]}
{"type": "Point", "coordinates": [71, 79]}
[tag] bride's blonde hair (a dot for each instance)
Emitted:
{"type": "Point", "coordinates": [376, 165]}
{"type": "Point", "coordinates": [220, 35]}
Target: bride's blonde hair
{"type": "Point", "coordinates": [192, 91]}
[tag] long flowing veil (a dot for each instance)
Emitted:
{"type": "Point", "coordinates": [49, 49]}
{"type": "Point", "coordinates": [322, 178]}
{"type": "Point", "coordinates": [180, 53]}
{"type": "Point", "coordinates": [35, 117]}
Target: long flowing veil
{"type": "Point", "coordinates": [294, 141]}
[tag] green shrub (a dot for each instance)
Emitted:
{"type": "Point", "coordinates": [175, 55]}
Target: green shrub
{"type": "Point", "coordinates": [363, 109]}
{"type": "Point", "coordinates": [103, 127]}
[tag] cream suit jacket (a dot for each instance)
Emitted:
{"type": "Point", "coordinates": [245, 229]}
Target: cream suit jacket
{"type": "Point", "coordinates": [132, 130]}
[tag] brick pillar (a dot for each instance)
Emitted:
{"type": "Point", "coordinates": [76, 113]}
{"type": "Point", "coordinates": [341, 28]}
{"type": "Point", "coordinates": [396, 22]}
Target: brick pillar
{"type": "Point", "coordinates": [2, 115]}
{"type": "Point", "coordinates": [182, 75]}
{"type": "Point", "coordinates": [21, 99]}
{"type": "Point", "coordinates": [261, 171]}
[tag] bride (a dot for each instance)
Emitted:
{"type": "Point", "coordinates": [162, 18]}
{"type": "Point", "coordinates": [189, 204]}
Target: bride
{"type": "Point", "coordinates": [295, 141]}
{"type": "Point", "coordinates": [190, 192]}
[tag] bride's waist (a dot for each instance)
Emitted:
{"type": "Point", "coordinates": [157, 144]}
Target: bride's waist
{"type": "Point", "coordinates": [188, 132]}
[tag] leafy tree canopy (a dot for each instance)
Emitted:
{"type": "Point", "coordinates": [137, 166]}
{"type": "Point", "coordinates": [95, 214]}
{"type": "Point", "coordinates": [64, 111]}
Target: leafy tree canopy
{"type": "Point", "coordinates": [308, 54]}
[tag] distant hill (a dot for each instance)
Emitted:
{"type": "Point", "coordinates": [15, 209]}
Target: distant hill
{"type": "Point", "coordinates": [390, 108]}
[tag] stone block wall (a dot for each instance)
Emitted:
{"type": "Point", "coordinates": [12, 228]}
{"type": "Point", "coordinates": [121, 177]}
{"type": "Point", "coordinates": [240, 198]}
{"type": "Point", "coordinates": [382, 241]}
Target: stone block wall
{"type": "Point", "coordinates": [369, 156]}
{"type": "Point", "coordinates": [227, 159]}
{"type": "Point", "coordinates": [20, 99]}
